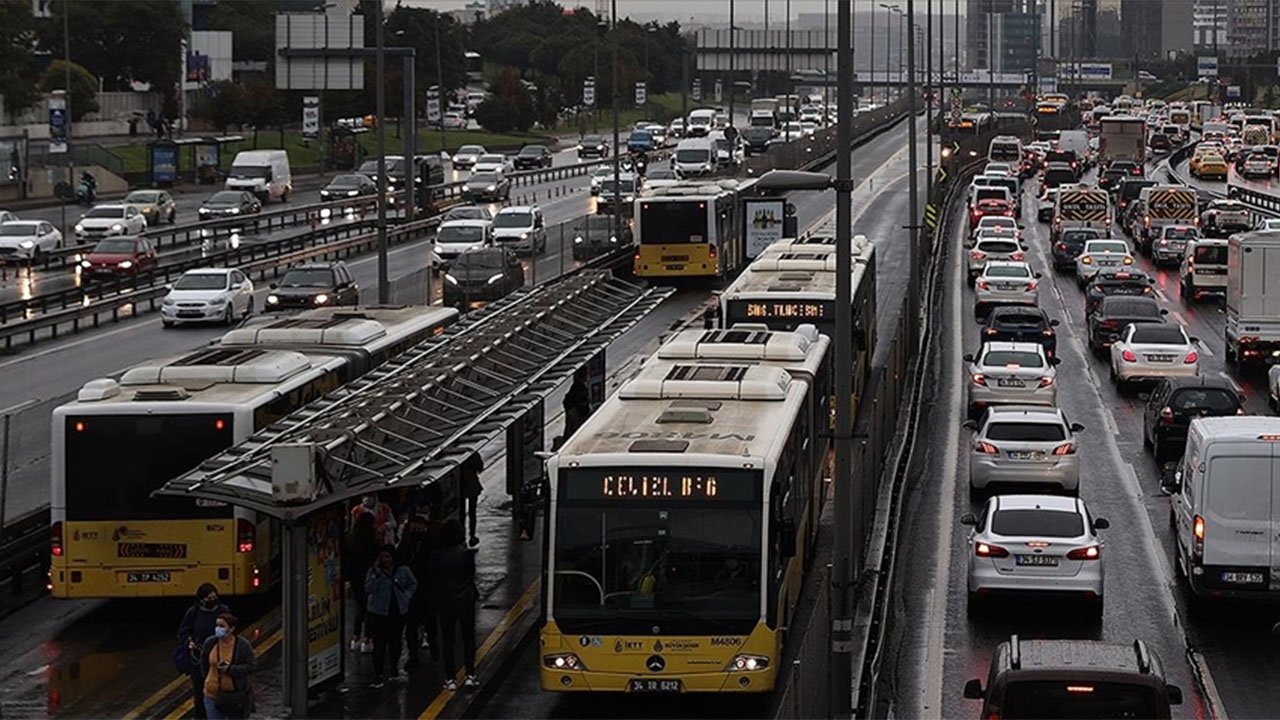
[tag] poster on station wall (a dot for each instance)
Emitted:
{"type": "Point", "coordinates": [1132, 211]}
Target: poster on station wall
{"type": "Point", "coordinates": [764, 220]}
{"type": "Point", "coordinates": [324, 597]}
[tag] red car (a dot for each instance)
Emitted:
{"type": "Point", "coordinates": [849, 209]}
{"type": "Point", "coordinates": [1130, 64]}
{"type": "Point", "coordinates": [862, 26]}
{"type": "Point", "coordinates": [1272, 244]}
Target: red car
{"type": "Point", "coordinates": [119, 256]}
{"type": "Point", "coordinates": [989, 206]}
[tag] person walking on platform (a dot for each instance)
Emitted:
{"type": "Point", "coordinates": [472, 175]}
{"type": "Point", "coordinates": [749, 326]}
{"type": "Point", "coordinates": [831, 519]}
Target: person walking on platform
{"type": "Point", "coordinates": [453, 575]}
{"type": "Point", "coordinates": [470, 489]}
{"type": "Point", "coordinates": [390, 585]}
{"type": "Point", "coordinates": [197, 626]}
{"type": "Point", "coordinates": [577, 403]}
{"type": "Point", "coordinates": [362, 550]}
{"type": "Point", "coordinates": [226, 661]}
{"type": "Point", "coordinates": [415, 550]}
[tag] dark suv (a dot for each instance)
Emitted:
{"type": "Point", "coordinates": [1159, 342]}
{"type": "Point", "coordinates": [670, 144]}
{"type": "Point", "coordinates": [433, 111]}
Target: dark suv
{"type": "Point", "coordinates": [482, 275]}
{"type": "Point", "coordinates": [1113, 313]}
{"type": "Point", "coordinates": [1070, 244]}
{"type": "Point", "coordinates": [1021, 324]}
{"type": "Point", "coordinates": [1175, 402]}
{"type": "Point", "coordinates": [755, 140]}
{"type": "Point", "coordinates": [532, 157]}
{"type": "Point", "coordinates": [1128, 190]}
{"type": "Point", "coordinates": [312, 285]}
{"type": "Point", "coordinates": [1115, 282]}
{"type": "Point", "coordinates": [1074, 679]}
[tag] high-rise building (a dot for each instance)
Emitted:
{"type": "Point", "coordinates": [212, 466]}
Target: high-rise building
{"type": "Point", "coordinates": [1015, 42]}
{"type": "Point", "coordinates": [979, 25]}
{"type": "Point", "coordinates": [1209, 25]}
{"type": "Point", "coordinates": [1251, 27]}
{"type": "Point", "coordinates": [1154, 29]}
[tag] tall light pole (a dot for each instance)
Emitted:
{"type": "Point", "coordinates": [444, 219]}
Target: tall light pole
{"type": "Point", "coordinates": [888, 34]}
{"type": "Point", "coordinates": [913, 258]}
{"type": "Point", "coordinates": [826, 62]}
{"type": "Point", "coordinates": [617, 167]}
{"type": "Point", "coordinates": [872, 56]}
{"type": "Point", "coordinates": [733, 51]}
{"type": "Point", "coordinates": [930, 89]}
{"type": "Point", "coordinates": [380, 101]}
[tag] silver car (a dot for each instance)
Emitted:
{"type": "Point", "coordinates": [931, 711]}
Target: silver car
{"type": "Point", "coordinates": [1035, 545]}
{"type": "Point", "coordinates": [986, 250]}
{"type": "Point", "coordinates": [1098, 254]}
{"type": "Point", "coordinates": [1170, 243]}
{"type": "Point", "coordinates": [1148, 351]}
{"type": "Point", "coordinates": [1004, 282]}
{"type": "Point", "coordinates": [1011, 373]}
{"type": "Point", "coordinates": [1024, 445]}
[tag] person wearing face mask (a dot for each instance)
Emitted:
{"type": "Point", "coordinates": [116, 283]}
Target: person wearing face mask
{"type": "Point", "coordinates": [384, 520]}
{"type": "Point", "coordinates": [197, 626]}
{"type": "Point", "coordinates": [226, 661]}
{"type": "Point", "coordinates": [390, 585]}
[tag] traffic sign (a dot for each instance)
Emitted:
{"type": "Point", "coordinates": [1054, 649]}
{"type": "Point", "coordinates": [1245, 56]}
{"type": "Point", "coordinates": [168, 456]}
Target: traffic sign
{"type": "Point", "coordinates": [697, 88]}
{"type": "Point", "coordinates": [311, 116]}
{"type": "Point", "coordinates": [942, 175]}
{"type": "Point", "coordinates": [719, 91]}
{"type": "Point", "coordinates": [640, 94]}
{"type": "Point", "coordinates": [589, 92]}
{"type": "Point", "coordinates": [58, 124]}
{"type": "Point", "coordinates": [931, 214]}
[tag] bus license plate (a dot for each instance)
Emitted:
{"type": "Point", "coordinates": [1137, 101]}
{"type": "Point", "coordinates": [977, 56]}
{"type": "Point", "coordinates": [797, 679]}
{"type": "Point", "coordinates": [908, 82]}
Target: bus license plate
{"type": "Point", "coordinates": [1242, 578]}
{"type": "Point", "coordinates": [148, 577]}
{"type": "Point", "coordinates": [675, 267]}
{"type": "Point", "coordinates": [653, 685]}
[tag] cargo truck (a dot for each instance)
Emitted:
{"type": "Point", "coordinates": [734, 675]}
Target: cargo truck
{"type": "Point", "coordinates": [1122, 138]}
{"type": "Point", "coordinates": [764, 112]}
{"type": "Point", "coordinates": [1253, 299]}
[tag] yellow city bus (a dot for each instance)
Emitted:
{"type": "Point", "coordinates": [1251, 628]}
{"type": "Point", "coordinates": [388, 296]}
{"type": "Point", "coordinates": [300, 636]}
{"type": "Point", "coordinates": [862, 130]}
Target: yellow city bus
{"type": "Point", "coordinates": [691, 230]}
{"type": "Point", "coordinates": [680, 517]}
{"type": "Point", "coordinates": [123, 438]}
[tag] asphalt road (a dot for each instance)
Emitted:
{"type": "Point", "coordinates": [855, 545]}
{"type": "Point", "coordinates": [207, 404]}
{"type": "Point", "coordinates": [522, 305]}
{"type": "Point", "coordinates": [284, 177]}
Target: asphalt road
{"type": "Point", "coordinates": [936, 647]}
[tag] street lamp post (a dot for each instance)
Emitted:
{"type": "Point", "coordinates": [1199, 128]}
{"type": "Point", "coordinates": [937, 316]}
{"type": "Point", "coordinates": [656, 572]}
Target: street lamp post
{"type": "Point", "coordinates": [871, 59]}
{"type": "Point", "coordinates": [733, 51]}
{"type": "Point", "coordinates": [930, 89]}
{"type": "Point", "coordinates": [380, 102]}
{"type": "Point", "coordinates": [617, 169]}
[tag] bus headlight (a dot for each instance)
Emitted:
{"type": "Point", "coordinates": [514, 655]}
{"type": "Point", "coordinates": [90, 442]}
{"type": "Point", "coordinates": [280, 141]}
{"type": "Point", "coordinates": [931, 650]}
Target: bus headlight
{"type": "Point", "coordinates": [563, 661]}
{"type": "Point", "coordinates": [747, 663]}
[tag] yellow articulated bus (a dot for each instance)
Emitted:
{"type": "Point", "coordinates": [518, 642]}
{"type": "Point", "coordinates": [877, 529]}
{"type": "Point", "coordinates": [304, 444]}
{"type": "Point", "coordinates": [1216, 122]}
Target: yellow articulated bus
{"type": "Point", "coordinates": [691, 230]}
{"type": "Point", "coordinates": [123, 438]}
{"type": "Point", "coordinates": [680, 517]}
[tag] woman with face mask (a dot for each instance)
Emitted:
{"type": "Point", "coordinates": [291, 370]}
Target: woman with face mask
{"type": "Point", "coordinates": [227, 660]}
{"type": "Point", "coordinates": [197, 626]}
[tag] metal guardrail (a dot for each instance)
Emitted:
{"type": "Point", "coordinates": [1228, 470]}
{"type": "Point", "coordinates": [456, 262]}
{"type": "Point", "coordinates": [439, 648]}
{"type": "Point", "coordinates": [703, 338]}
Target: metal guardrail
{"type": "Point", "coordinates": [24, 549]}
{"type": "Point", "coordinates": [1262, 204]}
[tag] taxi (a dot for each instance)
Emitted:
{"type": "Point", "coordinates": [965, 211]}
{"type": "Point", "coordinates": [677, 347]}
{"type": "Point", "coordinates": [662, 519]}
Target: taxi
{"type": "Point", "coordinates": [1209, 165]}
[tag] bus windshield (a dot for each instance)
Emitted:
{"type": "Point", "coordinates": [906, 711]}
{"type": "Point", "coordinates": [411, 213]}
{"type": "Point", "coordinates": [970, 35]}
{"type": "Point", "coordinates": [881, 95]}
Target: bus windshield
{"type": "Point", "coordinates": [678, 548]}
{"type": "Point", "coordinates": [673, 222]}
{"type": "Point", "coordinates": [114, 462]}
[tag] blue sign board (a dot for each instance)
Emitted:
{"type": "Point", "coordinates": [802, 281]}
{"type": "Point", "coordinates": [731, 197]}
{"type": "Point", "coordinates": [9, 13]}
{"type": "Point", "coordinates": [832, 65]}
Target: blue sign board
{"type": "Point", "coordinates": [164, 163]}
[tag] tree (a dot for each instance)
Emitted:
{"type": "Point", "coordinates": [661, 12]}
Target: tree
{"type": "Point", "coordinates": [17, 62]}
{"type": "Point", "coordinates": [121, 42]}
{"type": "Point", "coordinates": [84, 87]}
{"type": "Point", "coordinates": [264, 107]}
{"type": "Point", "coordinates": [253, 27]}
{"type": "Point", "coordinates": [508, 107]}
{"type": "Point", "coordinates": [224, 105]}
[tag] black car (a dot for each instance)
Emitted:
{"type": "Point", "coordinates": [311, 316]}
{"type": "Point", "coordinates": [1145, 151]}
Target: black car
{"type": "Point", "coordinates": [482, 275]}
{"type": "Point", "coordinates": [1067, 157]}
{"type": "Point", "coordinates": [593, 235]}
{"type": "Point", "coordinates": [1115, 312]}
{"type": "Point", "coordinates": [487, 186]}
{"type": "Point", "coordinates": [755, 140]}
{"type": "Point", "coordinates": [1070, 244]}
{"type": "Point", "coordinates": [1130, 168]}
{"type": "Point", "coordinates": [592, 146]}
{"type": "Point", "coordinates": [1021, 324]}
{"type": "Point", "coordinates": [348, 186]}
{"type": "Point", "coordinates": [1128, 190]}
{"type": "Point", "coordinates": [1175, 402]}
{"type": "Point", "coordinates": [1159, 142]}
{"type": "Point", "coordinates": [532, 157]}
{"type": "Point", "coordinates": [229, 203]}
{"type": "Point", "coordinates": [1056, 174]}
{"type": "Point", "coordinates": [1110, 282]}
{"type": "Point", "coordinates": [312, 285]}
{"type": "Point", "coordinates": [1111, 177]}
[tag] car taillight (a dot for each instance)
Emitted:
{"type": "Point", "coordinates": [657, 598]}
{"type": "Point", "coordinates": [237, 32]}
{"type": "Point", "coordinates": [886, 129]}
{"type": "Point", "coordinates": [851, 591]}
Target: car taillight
{"type": "Point", "coordinates": [1065, 449]}
{"type": "Point", "coordinates": [1031, 286]}
{"type": "Point", "coordinates": [1127, 260]}
{"type": "Point", "coordinates": [1109, 324]}
{"type": "Point", "coordinates": [1018, 256]}
{"type": "Point", "coordinates": [1087, 259]}
{"type": "Point", "coordinates": [978, 379]}
{"type": "Point", "coordinates": [246, 535]}
{"type": "Point", "coordinates": [984, 285]}
{"type": "Point", "coordinates": [1197, 537]}
{"type": "Point", "coordinates": [1192, 358]}
{"type": "Point", "coordinates": [1046, 382]}
{"type": "Point", "coordinates": [1048, 332]}
{"type": "Point", "coordinates": [55, 539]}
{"type": "Point", "coordinates": [989, 331]}
{"type": "Point", "coordinates": [987, 448]}
{"type": "Point", "coordinates": [711, 252]}
{"type": "Point", "coordinates": [1128, 356]}
{"type": "Point", "coordinates": [988, 550]}
{"type": "Point", "coordinates": [1166, 415]}
{"type": "Point", "coordinates": [1092, 552]}
{"type": "Point", "coordinates": [1137, 171]}
{"type": "Point", "coordinates": [1061, 246]}
{"type": "Point", "coordinates": [976, 255]}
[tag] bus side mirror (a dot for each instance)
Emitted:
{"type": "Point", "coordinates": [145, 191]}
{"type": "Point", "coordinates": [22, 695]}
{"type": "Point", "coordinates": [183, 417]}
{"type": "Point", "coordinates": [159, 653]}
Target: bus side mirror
{"type": "Point", "coordinates": [787, 537]}
{"type": "Point", "coordinates": [1175, 694]}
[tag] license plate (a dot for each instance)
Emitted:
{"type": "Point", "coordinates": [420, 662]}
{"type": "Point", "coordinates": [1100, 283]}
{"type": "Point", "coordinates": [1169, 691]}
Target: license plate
{"type": "Point", "coordinates": [675, 267]}
{"type": "Point", "coordinates": [148, 577]}
{"type": "Point", "coordinates": [1108, 263]}
{"type": "Point", "coordinates": [1010, 383]}
{"type": "Point", "coordinates": [1037, 560]}
{"type": "Point", "coordinates": [1007, 286]}
{"type": "Point", "coordinates": [190, 314]}
{"type": "Point", "coordinates": [654, 685]}
{"type": "Point", "coordinates": [1211, 271]}
{"type": "Point", "coordinates": [1242, 578]}
{"type": "Point", "coordinates": [1160, 358]}
{"type": "Point", "coordinates": [1029, 455]}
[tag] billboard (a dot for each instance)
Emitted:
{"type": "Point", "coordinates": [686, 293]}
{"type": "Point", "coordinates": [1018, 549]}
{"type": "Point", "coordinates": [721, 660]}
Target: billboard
{"type": "Point", "coordinates": [764, 221]}
{"type": "Point", "coordinates": [207, 58]}
{"type": "Point", "coordinates": [1207, 66]}
{"type": "Point", "coordinates": [302, 38]}
{"type": "Point", "coordinates": [1085, 70]}
{"type": "Point", "coordinates": [324, 595]}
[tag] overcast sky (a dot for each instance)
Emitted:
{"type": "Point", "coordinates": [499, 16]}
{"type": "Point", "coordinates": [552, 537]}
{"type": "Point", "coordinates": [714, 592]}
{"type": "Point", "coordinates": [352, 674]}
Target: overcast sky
{"type": "Point", "coordinates": [684, 10]}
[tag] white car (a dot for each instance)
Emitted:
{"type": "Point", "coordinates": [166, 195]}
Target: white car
{"type": "Point", "coordinates": [455, 121]}
{"type": "Point", "coordinates": [1035, 545]}
{"type": "Point", "coordinates": [1023, 445]}
{"type": "Point", "coordinates": [467, 156]}
{"type": "Point", "coordinates": [998, 168]}
{"type": "Point", "coordinates": [6, 216]}
{"type": "Point", "coordinates": [493, 162]}
{"type": "Point", "coordinates": [1268, 224]}
{"type": "Point", "coordinates": [792, 130]}
{"type": "Point", "coordinates": [208, 295]}
{"type": "Point", "coordinates": [987, 250]}
{"type": "Point", "coordinates": [27, 239]}
{"type": "Point", "coordinates": [998, 221]}
{"type": "Point", "coordinates": [1004, 282]}
{"type": "Point", "coordinates": [1273, 387]}
{"type": "Point", "coordinates": [522, 228]}
{"type": "Point", "coordinates": [653, 178]}
{"type": "Point", "coordinates": [599, 175]}
{"type": "Point", "coordinates": [1149, 351]}
{"type": "Point", "coordinates": [458, 236]}
{"type": "Point", "coordinates": [1098, 254]}
{"type": "Point", "coordinates": [108, 220]}
{"type": "Point", "coordinates": [1011, 373]}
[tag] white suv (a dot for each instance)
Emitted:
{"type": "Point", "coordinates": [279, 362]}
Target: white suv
{"type": "Point", "coordinates": [108, 220]}
{"type": "Point", "coordinates": [522, 228]}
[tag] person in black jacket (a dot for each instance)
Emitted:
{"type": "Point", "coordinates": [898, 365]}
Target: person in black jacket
{"type": "Point", "coordinates": [577, 403]}
{"type": "Point", "coordinates": [226, 661]}
{"type": "Point", "coordinates": [197, 626]}
{"type": "Point", "coordinates": [361, 551]}
{"type": "Point", "coordinates": [453, 575]}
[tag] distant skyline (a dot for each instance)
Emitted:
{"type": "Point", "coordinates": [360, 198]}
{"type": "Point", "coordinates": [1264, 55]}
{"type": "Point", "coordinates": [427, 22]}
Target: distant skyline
{"type": "Point", "coordinates": [707, 11]}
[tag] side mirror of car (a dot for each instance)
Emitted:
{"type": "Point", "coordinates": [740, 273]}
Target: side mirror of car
{"type": "Point", "coordinates": [1022, 227]}
{"type": "Point", "coordinates": [1039, 275]}
{"type": "Point", "coordinates": [968, 519]}
{"type": "Point", "coordinates": [1077, 427]}
{"type": "Point", "coordinates": [1055, 361]}
{"type": "Point", "coordinates": [1101, 523]}
{"type": "Point", "coordinates": [1054, 323]}
{"type": "Point", "coordinates": [1195, 340]}
{"type": "Point", "coordinates": [973, 690]}
{"type": "Point", "coordinates": [1175, 694]}
{"type": "Point", "coordinates": [969, 425]}
{"type": "Point", "coordinates": [273, 286]}
{"type": "Point", "coordinates": [1164, 311]}
{"type": "Point", "coordinates": [968, 357]}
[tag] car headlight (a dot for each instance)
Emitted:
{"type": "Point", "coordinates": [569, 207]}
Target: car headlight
{"type": "Point", "coordinates": [234, 211]}
{"type": "Point", "coordinates": [450, 279]}
{"type": "Point", "coordinates": [273, 300]}
{"type": "Point", "coordinates": [169, 302]}
{"type": "Point", "coordinates": [494, 278]}
{"type": "Point", "coordinates": [491, 188]}
{"type": "Point", "coordinates": [117, 227]}
{"type": "Point", "coordinates": [85, 264]}
{"type": "Point", "coordinates": [203, 211]}
{"type": "Point", "coordinates": [439, 249]}
{"type": "Point", "coordinates": [79, 227]}
{"type": "Point", "coordinates": [125, 264]}
{"type": "Point", "coordinates": [577, 240]}
{"type": "Point", "coordinates": [320, 299]}
{"type": "Point", "coordinates": [26, 244]}
{"type": "Point", "coordinates": [613, 239]}
{"type": "Point", "coordinates": [352, 193]}
{"type": "Point", "coordinates": [524, 236]}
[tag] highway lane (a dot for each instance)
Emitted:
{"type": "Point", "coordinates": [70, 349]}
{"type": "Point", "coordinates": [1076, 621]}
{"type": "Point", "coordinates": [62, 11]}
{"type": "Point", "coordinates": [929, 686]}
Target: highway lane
{"type": "Point", "coordinates": [1230, 645]}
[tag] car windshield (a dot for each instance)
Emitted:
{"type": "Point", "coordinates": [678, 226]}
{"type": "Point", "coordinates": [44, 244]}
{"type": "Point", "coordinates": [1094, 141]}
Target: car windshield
{"type": "Point", "coordinates": [1055, 699]}
{"type": "Point", "coordinates": [624, 186]}
{"type": "Point", "coordinates": [594, 140]}
{"type": "Point", "coordinates": [460, 234]}
{"type": "Point", "coordinates": [531, 151]}
{"type": "Point", "coordinates": [201, 281]}
{"type": "Point", "coordinates": [596, 223]}
{"type": "Point", "coordinates": [490, 260]}
{"type": "Point", "coordinates": [1005, 358]}
{"type": "Point", "coordinates": [308, 277]}
{"type": "Point", "coordinates": [990, 193]}
{"type": "Point", "coordinates": [997, 246]}
{"type": "Point", "coordinates": [1008, 271]}
{"type": "Point", "coordinates": [142, 197]}
{"type": "Point", "coordinates": [467, 213]}
{"type": "Point", "coordinates": [641, 135]}
{"type": "Point", "coordinates": [17, 229]}
{"type": "Point", "coordinates": [492, 159]}
{"type": "Point", "coordinates": [756, 134]}
{"type": "Point", "coordinates": [226, 197]}
{"type": "Point", "coordinates": [1131, 307]}
{"type": "Point", "coordinates": [1228, 206]}
{"type": "Point", "coordinates": [1059, 176]}
{"type": "Point", "coordinates": [1017, 320]}
{"type": "Point", "coordinates": [114, 247]}
{"type": "Point", "coordinates": [1079, 235]}
{"type": "Point", "coordinates": [1216, 401]}
{"type": "Point", "coordinates": [1210, 255]}
{"type": "Point", "coordinates": [1026, 431]}
{"type": "Point", "coordinates": [484, 178]}
{"type": "Point", "coordinates": [470, 150]}
{"type": "Point", "coordinates": [250, 171]}
{"type": "Point", "coordinates": [106, 212]}
{"type": "Point", "coordinates": [1108, 247]}
{"type": "Point", "coordinates": [1037, 522]}
{"type": "Point", "coordinates": [347, 181]}
{"type": "Point", "coordinates": [998, 222]}
{"type": "Point", "coordinates": [1177, 233]}
{"type": "Point", "coordinates": [513, 220]}
{"type": "Point", "coordinates": [689, 155]}
{"type": "Point", "coordinates": [661, 174]}
{"type": "Point", "coordinates": [1149, 334]}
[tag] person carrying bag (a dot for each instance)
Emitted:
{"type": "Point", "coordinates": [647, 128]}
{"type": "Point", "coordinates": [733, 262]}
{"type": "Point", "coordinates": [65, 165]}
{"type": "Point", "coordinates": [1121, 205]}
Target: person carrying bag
{"type": "Point", "coordinates": [197, 626]}
{"type": "Point", "coordinates": [226, 661]}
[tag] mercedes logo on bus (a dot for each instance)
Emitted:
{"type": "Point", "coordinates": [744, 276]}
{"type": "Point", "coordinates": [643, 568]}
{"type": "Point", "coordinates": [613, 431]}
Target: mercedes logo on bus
{"type": "Point", "coordinates": [655, 663]}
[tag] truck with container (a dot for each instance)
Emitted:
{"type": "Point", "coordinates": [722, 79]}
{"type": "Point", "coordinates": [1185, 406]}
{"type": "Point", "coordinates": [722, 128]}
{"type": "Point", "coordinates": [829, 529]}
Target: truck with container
{"type": "Point", "coordinates": [1253, 299]}
{"type": "Point", "coordinates": [1122, 138]}
{"type": "Point", "coordinates": [764, 112]}
{"type": "Point", "coordinates": [1165, 205]}
{"type": "Point", "coordinates": [1081, 206]}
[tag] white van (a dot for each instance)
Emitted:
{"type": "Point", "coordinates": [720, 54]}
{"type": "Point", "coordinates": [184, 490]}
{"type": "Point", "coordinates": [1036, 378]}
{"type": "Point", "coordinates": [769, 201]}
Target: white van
{"type": "Point", "coordinates": [265, 173]}
{"type": "Point", "coordinates": [701, 123]}
{"type": "Point", "coordinates": [694, 157]}
{"type": "Point", "coordinates": [1226, 507]}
